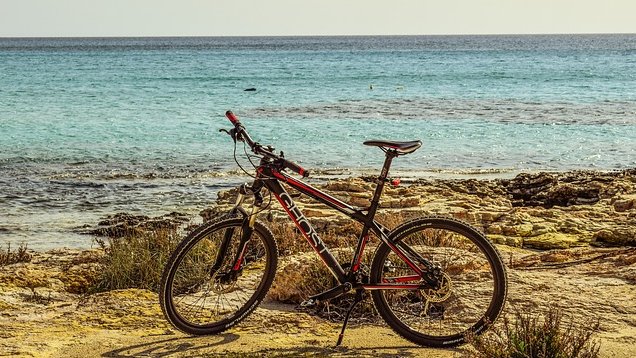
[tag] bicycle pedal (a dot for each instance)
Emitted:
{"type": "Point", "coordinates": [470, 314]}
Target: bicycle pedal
{"type": "Point", "coordinates": [310, 303]}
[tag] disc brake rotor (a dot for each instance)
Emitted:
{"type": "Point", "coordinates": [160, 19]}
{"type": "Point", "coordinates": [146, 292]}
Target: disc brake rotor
{"type": "Point", "coordinates": [440, 294]}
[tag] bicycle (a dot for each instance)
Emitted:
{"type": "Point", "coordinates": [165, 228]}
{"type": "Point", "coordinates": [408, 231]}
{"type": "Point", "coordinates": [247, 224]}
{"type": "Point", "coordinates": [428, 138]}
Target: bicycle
{"type": "Point", "coordinates": [432, 279]}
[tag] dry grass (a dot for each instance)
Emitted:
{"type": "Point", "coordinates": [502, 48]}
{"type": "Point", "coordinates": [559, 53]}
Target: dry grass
{"type": "Point", "coordinates": [537, 336]}
{"type": "Point", "coordinates": [135, 261]}
{"type": "Point", "coordinates": [288, 238]}
{"type": "Point", "coordinates": [9, 257]}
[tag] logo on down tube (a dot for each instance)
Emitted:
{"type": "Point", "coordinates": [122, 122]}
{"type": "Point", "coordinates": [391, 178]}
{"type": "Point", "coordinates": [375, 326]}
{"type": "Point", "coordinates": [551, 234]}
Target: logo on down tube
{"type": "Point", "coordinates": [306, 227]}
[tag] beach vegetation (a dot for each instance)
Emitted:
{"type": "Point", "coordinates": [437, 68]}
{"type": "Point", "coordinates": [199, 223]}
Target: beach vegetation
{"type": "Point", "coordinates": [135, 261]}
{"type": "Point", "coordinates": [532, 335]}
{"type": "Point", "coordinates": [9, 256]}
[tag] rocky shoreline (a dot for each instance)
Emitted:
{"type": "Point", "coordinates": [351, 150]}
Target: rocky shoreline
{"type": "Point", "coordinates": [567, 238]}
{"type": "Point", "coordinates": [541, 210]}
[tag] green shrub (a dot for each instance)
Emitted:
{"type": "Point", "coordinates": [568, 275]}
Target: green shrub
{"type": "Point", "coordinates": [537, 336]}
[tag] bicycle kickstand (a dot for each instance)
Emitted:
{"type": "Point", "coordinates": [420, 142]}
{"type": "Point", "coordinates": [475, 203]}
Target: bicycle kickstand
{"type": "Point", "coordinates": [358, 299]}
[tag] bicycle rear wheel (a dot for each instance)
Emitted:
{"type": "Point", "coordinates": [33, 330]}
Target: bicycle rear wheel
{"type": "Point", "coordinates": [472, 290]}
{"type": "Point", "coordinates": [200, 294]}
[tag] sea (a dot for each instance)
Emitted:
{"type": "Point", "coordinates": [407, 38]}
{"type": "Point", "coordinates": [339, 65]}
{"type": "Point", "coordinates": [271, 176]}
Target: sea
{"type": "Point", "coordinates": [91, 127]}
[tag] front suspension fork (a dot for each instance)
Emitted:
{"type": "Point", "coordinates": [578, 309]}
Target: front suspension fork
{"type": "Point", "coordinates": [247, 228]}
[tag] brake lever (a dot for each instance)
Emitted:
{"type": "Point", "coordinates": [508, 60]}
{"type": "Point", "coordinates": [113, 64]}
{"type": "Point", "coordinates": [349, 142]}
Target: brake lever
{"type": "Point", "coordinates": [231, 133]}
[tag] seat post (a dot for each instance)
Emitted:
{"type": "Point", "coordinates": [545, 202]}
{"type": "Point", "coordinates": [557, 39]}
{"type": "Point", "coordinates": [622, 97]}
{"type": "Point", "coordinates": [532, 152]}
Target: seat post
{"type": "Point", "coordinates": [390, 154]}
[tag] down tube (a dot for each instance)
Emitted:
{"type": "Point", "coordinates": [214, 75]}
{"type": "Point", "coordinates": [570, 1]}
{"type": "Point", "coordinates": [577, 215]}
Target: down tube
{"type": "Point", "coordinates": [306, 229]}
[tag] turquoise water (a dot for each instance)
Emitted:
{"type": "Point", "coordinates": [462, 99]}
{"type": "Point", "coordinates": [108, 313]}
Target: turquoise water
{"type": "Point", "coordinates": [90, 127]}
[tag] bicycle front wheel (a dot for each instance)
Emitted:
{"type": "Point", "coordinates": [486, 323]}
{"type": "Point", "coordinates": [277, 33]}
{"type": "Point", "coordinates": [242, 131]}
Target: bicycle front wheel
{"type": "Point", "coordinates": [472, 287]}
{"type": "Point", "coordinates": [201, 292]}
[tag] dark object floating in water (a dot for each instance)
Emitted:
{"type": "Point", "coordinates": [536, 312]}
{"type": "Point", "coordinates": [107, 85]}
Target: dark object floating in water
{"type": "Point", "coordinates": [252, 89]}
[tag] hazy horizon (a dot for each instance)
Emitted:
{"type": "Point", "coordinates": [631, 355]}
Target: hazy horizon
{"type": "Point", "coordinates": [240, 18]}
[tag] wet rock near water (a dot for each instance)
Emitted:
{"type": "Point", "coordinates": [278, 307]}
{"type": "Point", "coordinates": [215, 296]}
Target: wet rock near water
{"type": "Point", "coordinates": [125, 224]}
{"type": "Point", "coordinates": [564, 189]}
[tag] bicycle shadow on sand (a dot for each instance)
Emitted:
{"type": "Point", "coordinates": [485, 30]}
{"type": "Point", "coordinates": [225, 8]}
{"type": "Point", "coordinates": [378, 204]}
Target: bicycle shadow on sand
{"type": "Point", "coordinates": [172, 346]}
{"type": "Point", "coordinates": [209, 347]}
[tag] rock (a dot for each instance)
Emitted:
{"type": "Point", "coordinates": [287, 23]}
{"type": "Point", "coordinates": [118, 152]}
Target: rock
{"type": "Point", "coordinates": [548, 190]}
{"type": "Point", "coordinates": [616, 236]}
{"type": "Point", "coordinates": [554, 240]}
{"type": "Point", "coordinates": [348, 185]}
{"type": "Point", "coordinates": [555, 257]}
{"type": "Point", "coordinates": [524, 230]}
{"type": "Point", "coordinates": [79, 279]}
{"type": "Point", "coordinates": [625, 204]}
{"type": "Point", "coordinates": [360, 202]}
{"type": "Point", "coordinates": [524, 187]}
{"type": "Point", "coordinates": [226, 194]}
{"type": "Point", "coordinates": [627, 259]}
{"type": "Point", "coordinates": [32, 278]}
{"type": "Point", "coordinates": [535, 210]}
{"type": "Point", "coordinates": [125, 224]}
{"type": "Point", "coordinates": [410, 202]}
{"type": "Point", "coordinates": [488, 216]}
{"type": "Point", "coordinates": [400, 202]}
{"type": "Point", "coordinates": [214, 212]}
{"type": "Point", "coordinates": [566, 194]}
{"type": "Point", "coordinates": [497, 239]}
{"type": "Point", "coordinates": [514, 241]}
{"type": "Point", "coordinates": [313, 213]}
{"type": "Point", "coordinates": [494, 229]}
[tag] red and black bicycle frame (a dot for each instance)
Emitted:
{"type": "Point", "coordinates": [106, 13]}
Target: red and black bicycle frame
{"type": "Point", "coordinates": [271, 177]}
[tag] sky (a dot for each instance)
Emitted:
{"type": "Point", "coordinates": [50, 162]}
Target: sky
{"type": "Point", "coordinates": [61, 18]}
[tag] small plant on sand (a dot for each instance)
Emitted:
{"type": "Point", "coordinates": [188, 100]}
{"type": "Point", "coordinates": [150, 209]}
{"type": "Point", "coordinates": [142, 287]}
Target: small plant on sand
{"type": "Point", "coordinates": [135, 261]}
{"type": "Point", "coordinates": [537, 336]}
{"type": "Point", "coordinates": [9, 257]}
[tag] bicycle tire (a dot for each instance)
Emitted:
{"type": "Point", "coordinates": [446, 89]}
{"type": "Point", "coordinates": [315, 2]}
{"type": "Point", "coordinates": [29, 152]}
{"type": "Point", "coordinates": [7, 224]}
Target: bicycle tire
{"type": "Point", "coordinates": [188, 282]}
{"type": "Point", "coordinates": [474, 289]}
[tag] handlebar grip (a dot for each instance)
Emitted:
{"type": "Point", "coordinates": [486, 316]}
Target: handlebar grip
{"type": "Point", "coordinates": [232, 117]}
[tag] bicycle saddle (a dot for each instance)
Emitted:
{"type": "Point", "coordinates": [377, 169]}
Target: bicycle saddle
{"type": "Point", "coordinates": [399, 147]}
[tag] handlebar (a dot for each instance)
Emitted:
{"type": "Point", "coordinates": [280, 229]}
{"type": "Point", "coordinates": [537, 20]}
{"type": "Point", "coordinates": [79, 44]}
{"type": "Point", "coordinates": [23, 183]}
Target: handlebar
{"type": "Point", "coordinates": [241, 134]}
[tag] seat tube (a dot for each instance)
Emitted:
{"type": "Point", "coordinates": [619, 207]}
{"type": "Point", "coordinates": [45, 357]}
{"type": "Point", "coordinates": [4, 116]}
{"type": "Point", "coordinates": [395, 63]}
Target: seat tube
{"type": "Point", "coordinates": [364, 235]}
